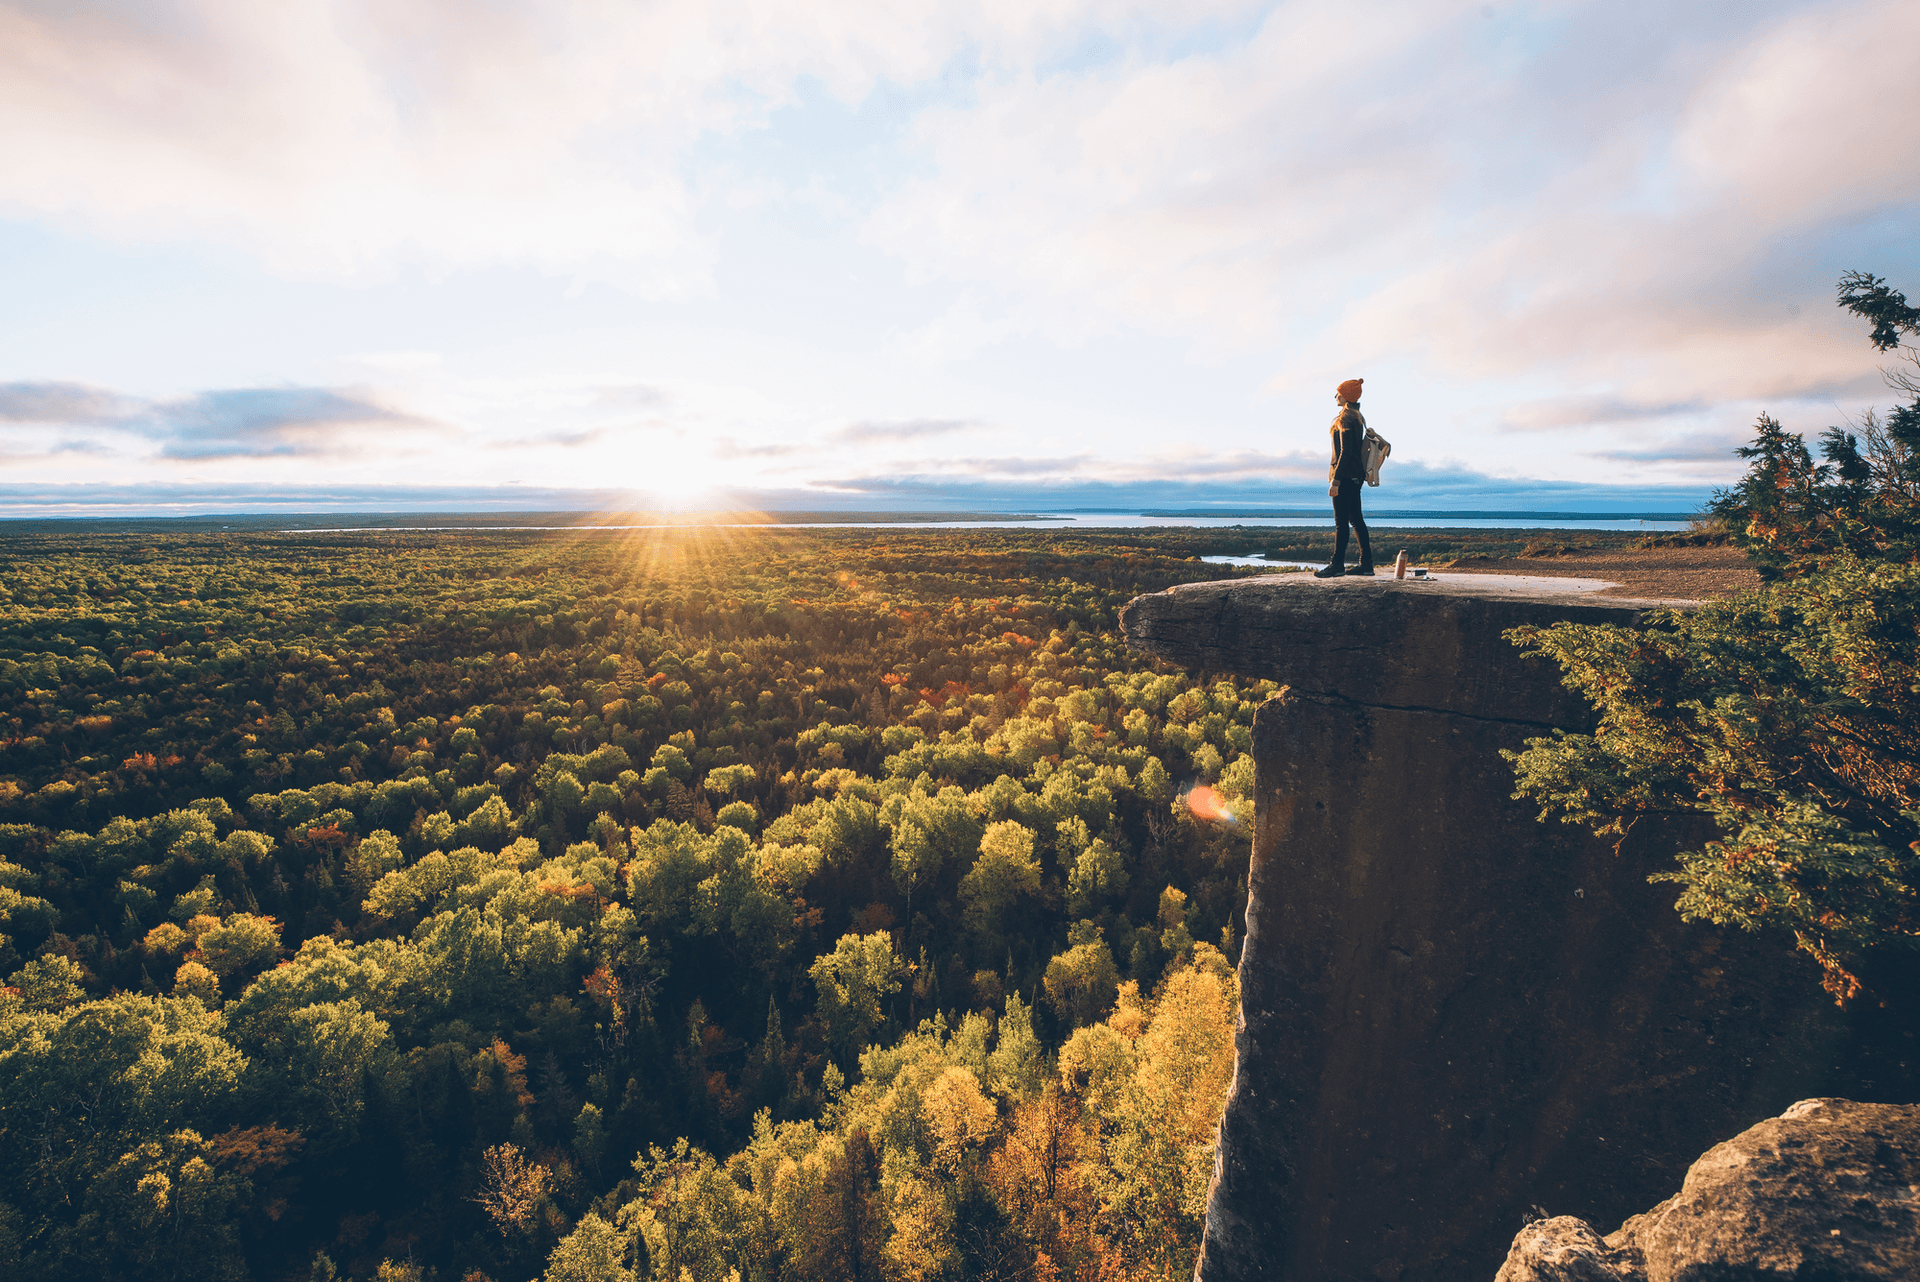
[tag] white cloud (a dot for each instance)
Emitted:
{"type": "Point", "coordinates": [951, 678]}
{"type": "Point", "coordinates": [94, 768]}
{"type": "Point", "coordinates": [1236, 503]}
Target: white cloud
{"type": "Point", "coordinates": [332, 135]}
{"type": "Point", "coordinates": [1812, 119]}
{"type": "Point", "coordinates": [1212, 195]}
{"type": "Point", "coordinates": [1568, 200]}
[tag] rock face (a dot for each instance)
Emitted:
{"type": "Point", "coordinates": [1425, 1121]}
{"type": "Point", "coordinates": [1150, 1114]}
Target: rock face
{"type": "Point", "coordinates": [1830, 1189]}
{"type": "Point", "coordinates": [1451, 1013]}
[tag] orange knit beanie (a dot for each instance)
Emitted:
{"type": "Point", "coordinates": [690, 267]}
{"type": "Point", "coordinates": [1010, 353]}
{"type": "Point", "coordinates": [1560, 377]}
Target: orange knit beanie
{"type": "Point", "coordinates": [1350, 390]}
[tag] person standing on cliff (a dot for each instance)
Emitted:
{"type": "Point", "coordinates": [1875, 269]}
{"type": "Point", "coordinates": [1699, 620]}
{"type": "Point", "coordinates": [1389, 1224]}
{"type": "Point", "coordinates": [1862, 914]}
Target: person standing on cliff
{"type": "Point", "coordinates": [1344, 478]}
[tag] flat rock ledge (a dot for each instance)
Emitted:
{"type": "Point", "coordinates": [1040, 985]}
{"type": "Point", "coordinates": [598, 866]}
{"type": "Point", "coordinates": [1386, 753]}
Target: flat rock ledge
{"type": "Point", "coordinates": [1828, 1190]}
{"type": "Point", "coordinates": [1436, 644]}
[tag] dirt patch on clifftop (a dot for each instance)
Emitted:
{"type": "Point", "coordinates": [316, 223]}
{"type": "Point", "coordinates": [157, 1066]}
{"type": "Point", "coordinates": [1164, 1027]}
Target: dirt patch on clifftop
{"type": "Point", "coordinates": [1684, 573]}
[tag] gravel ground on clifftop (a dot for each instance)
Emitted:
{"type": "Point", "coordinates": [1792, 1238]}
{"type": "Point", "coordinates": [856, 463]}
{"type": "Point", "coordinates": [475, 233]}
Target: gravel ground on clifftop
{"type": "Point", "coordinates": [1681, 573]}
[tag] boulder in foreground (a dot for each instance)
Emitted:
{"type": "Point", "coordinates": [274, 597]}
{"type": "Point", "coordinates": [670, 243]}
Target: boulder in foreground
{"type": "Point", "coordinates": [1830, 1189]}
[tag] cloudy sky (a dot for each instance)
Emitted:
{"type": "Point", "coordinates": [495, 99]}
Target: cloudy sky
{"type": "Point", "coordinates": [406, 254]}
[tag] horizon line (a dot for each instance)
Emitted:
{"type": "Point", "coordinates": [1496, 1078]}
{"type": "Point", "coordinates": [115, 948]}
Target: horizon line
{"type": "Point", "coordinates": [588, 517]}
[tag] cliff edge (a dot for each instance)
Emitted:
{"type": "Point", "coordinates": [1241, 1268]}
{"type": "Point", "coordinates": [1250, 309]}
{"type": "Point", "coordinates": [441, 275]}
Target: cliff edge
{"type": "Point", "coordinates": [1450, 1012]}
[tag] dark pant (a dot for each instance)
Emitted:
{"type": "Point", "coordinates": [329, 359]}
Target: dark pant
{"type": "Point", "coordinates": [1346, 512]}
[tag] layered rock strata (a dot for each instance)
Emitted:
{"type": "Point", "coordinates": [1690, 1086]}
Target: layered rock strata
{"type": "Point", "coordinates": [1450, 1012]}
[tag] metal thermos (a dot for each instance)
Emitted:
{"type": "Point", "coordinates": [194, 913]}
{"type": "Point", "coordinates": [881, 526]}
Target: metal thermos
{"type": "Point", "coordinates": [1400, 565]}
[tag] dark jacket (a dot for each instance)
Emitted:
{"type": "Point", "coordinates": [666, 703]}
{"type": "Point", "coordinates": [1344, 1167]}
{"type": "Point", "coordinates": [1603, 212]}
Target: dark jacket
{"type": "Point", "coordinates": [1349, 446]}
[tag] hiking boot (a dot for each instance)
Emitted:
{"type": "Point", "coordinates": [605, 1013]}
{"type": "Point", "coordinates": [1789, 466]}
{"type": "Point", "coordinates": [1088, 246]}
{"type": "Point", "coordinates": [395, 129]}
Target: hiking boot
{"type": "Point", "coordinates": [1333, 571]}
{"type": "Point", "coordinates": [1364, 569]}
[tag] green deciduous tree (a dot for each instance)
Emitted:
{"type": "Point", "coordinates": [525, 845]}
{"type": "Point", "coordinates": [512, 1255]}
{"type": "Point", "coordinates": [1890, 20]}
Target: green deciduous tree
{"type": "Point", "coordinates": [1081, 982]}
{"type": "Point", "coordinates": [1098, 876]}
{"type": "Point", "coordinates": [162, 1210]}
{"type": "Point", "coordinates": [102, 1105]}
{"type": "Point", "coordinates": [48, 984]}
{"type": "Point", "coordinates": [595, 1251]}
{"type": "Point", "coordinates": [929, 834]}
{"type": "Point", "coordinates": [1005, 874]}
{"type": "Point", "coordinates": [695, 1220]}
{"type": "Point", "coordinates": [243, 942]}
{"type": "Point", "coordinates": [853, 982]}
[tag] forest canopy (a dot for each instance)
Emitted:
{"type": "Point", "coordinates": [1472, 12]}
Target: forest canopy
{"type": "Point", "coordinates": [800, 904]}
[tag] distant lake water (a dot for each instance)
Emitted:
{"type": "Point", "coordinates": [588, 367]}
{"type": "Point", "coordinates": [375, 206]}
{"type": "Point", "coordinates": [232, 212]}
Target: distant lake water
{"type": "Point", "coordinates": [1134, 520]}
{"type": "Point", "coordinates": [1262, 562]}
{"type": "Point", "coordinates": [1387, 520]}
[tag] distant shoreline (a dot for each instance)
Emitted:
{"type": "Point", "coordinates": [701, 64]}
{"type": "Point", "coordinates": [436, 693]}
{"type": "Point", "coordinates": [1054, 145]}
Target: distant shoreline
{"type": "Point", "coordinates": [1083, 518]}
{"type": "Point", "coordinates": [308, 522]}
{"type": "Point", "coordinates": [1437, 514]}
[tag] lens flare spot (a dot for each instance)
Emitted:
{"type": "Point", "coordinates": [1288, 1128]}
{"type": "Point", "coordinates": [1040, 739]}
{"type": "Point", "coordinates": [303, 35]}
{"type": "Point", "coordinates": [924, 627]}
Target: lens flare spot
{"type": "Point", "coordinates": [1211, 805]}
